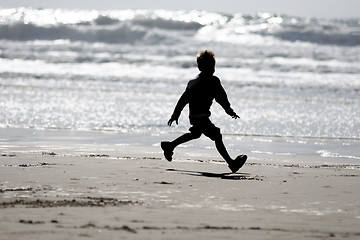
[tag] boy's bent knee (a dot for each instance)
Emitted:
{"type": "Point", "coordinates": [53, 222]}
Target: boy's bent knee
{"type": "Point", "coordinates": [217, 138]}
{"type": "Point", "coordinates": [196, 134]}
{"type": "Point", "coordinates": [214, 134]}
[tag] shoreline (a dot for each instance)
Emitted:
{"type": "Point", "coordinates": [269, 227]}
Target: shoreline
{"type": "Point", "coordinates": [291, 149]}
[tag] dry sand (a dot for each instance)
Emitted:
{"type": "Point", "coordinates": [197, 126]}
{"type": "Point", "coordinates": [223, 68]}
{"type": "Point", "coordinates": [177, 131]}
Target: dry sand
{"type": "Point", "coordinates": [59, 191]}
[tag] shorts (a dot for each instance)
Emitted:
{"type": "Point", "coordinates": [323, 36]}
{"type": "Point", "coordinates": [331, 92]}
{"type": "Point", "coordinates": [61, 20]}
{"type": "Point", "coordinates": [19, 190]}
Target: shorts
{"type": "Point", "coordinates": [206, 127]}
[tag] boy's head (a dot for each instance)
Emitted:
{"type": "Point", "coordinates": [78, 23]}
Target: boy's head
{"type": "Point", "coordinates": [206, 61]}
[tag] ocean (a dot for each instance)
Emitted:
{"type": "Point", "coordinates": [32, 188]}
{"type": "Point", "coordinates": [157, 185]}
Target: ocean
{"type": "Point", "coordinates": [123, 71]}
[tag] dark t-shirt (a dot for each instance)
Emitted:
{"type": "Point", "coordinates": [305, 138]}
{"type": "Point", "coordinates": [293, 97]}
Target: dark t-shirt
{"type": "Point", "coordinates": [199, 94]}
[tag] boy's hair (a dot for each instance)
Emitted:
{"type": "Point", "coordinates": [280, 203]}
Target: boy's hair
{"type": "Point", "coordinates": [205, 60]}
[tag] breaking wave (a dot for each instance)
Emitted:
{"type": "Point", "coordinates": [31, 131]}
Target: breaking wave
{"type": "Point", "coordinates": [150, 26]}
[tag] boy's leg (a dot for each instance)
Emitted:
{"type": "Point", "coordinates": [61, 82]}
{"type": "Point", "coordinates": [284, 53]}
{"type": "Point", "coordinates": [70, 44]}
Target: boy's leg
{"type": "Point", "coordinates": [214, 134]}
{"type": "Point", "coordinates": [234, 165]}
{"type": "Point", "coordinates": [185, 138]}
{"type": "Point", "coordinates": [168, 147]}
{"type": "Point", "coordinates": [222, 150]}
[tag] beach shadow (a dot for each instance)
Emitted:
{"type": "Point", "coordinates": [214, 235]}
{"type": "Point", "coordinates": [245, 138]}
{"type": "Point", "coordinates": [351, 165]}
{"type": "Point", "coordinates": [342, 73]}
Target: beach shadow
{"type": "Point", "coordinates": [228, 176]}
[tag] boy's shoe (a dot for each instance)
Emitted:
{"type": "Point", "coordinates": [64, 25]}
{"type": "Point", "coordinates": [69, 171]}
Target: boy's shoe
{"type": "Point", "coordinates": [237, 163]}
{"type": "Point", "coordinates": [168, 150]}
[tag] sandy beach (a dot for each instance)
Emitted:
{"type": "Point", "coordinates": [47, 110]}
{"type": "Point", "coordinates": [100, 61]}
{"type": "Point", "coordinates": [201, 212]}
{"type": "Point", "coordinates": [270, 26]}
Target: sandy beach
{"type": "Point", "coordinates": [87, 91]}
{"type": "Point", "coordinates": [60, 189]}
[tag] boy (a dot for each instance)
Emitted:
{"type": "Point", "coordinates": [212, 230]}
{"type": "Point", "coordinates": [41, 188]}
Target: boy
{"type": "Point", "coordinates": [199, 94]}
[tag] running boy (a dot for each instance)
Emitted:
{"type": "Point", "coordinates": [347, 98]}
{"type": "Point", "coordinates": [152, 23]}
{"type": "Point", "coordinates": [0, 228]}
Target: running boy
{"type": "Point", "coordinates": [199, 94]}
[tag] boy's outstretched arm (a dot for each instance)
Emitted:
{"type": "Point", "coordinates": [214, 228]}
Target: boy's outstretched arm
{"type": "Point", "coordinates": [222, 99]}
{"type": "Point", "coordinates": [184, 99]}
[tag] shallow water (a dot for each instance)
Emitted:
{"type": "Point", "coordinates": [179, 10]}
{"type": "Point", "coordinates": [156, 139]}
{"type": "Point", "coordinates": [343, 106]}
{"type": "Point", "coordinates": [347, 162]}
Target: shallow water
{"type": "Point", "coordinates": [124, 71]}
{"type": "Point", "coordinates": [261, 150]}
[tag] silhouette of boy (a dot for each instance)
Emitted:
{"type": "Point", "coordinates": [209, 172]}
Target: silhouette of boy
{"type": "Point", "coordinates": [199, 94]}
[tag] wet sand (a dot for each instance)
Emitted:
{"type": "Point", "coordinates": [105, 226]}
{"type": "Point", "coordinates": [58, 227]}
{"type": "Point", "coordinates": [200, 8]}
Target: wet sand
{"type": "Point", "coordinates": [54, 190]}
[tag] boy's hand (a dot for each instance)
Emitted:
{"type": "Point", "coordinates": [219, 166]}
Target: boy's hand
{"type": "Point", "coordinates": [232, 113]}
{"type": "Point", "coordinates": [235, 116]}
{"type": "Point", "coordinates": [173, 119]}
